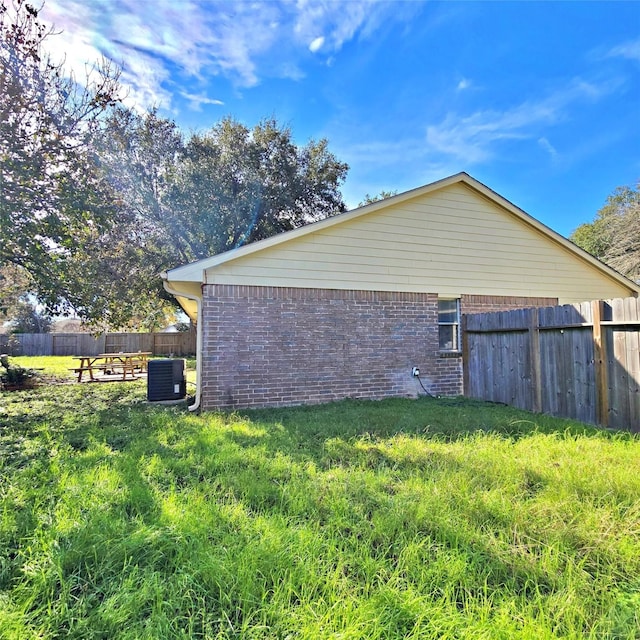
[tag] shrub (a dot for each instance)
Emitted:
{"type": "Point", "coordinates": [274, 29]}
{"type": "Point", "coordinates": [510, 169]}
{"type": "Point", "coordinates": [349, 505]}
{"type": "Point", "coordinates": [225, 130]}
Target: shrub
{"type": "Point", "coordinates": [15, 377]}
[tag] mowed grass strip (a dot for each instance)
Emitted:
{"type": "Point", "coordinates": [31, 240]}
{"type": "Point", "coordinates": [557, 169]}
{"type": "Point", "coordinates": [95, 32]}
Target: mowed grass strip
{"type": "Point", "coordinates": [60, 369]}
{"type": "Point", "coordinates": [394, 519]}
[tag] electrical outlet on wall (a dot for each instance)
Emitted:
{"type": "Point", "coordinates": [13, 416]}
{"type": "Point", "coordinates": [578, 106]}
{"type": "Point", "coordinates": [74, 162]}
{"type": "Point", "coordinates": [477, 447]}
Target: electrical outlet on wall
{"type": "Point", "coordinates": [415, 372]}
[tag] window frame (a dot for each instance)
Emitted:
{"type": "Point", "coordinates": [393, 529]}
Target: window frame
{"type": "Point", "coordinates": [455, 326]}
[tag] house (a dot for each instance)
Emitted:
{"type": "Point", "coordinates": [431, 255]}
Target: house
{"type": "Point", "coordinates": [347, 306]}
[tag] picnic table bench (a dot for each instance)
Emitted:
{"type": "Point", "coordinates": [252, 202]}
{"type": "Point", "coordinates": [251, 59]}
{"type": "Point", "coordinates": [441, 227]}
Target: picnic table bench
{"type": "Point", "coordinates": [123, 364]}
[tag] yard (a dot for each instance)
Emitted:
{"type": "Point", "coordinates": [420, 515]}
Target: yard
{"type": "Point", "coordinates": [397, 519]}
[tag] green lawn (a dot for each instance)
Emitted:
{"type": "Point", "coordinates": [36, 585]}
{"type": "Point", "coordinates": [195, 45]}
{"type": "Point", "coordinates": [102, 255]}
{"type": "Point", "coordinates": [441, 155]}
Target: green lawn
{"type": "Point", "coordinates": [394, 519]}
{"type": "Point", "coordinates": [58, 368]}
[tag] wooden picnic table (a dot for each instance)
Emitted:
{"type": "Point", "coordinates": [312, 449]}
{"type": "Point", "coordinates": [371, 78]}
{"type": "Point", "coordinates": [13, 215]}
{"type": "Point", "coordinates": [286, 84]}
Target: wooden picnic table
{"type": "Point", "coordinates": [121, 363]}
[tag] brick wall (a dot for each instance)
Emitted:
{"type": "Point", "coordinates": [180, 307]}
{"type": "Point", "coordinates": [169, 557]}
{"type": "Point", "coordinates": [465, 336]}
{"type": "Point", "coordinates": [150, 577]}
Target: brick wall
{"type": "Point", "coordinates": [447, 374]}
{"type": "Point", "coordinates": [271, 346]}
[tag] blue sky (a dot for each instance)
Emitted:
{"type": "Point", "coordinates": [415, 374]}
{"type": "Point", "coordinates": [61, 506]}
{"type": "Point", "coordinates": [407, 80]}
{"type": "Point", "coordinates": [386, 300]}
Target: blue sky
{"type": "Point", "coordinates": [538, 100]}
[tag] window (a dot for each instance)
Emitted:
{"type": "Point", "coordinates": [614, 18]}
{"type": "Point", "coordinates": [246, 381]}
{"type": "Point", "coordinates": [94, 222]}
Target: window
{"type": "Point", "coordinates": [449, 324]}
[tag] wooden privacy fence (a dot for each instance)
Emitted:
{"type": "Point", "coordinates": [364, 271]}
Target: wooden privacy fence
{"type": "Point", "coordinates": [578, 361]}
{"type": "Point", "coordinates": [84, 344]}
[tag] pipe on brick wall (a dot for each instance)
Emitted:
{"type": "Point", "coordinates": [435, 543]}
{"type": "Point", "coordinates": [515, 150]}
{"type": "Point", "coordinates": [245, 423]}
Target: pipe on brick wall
{"type": "Point", "coordinates": [196, 405]}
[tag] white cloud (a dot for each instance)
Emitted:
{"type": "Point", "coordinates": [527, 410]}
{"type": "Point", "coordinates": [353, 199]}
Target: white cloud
{"type": "Point", "coordinates": [630, 50]}
{"type": "Point", "coordinates": [289, 70]}
{"type": "Point", "coordinates": [463, 84]}
{"type": "Point", "coordinates": [344, 21]}
{"type": "Point", "coordinates": [548, 147]}
{"type": "Point", "coordinates": [382, 153]}
{"type": "Point", "coordinates": [242, 41]}
{"type": "Point", "coordinates": [196, 101]}
{"type": "Point", "coordinates": [150, 43]}
{"type": "Point", "coordinates": [474, 138]}
{"type": "Point", "coordinates": [316, 44]}
{"type": "Point", "coordinates": [144, 77]}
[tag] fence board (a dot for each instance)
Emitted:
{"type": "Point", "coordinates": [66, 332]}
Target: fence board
{"type": "Point", "coordinates": [583, 376]}
{"type": "Point", "coordinates": [535, 363]}
{"type": "Point", "coordinates": [178, 344]}
{"type": "Point", "coordinates": [633, 361]}
{"type": "Point", "coordinates": [618, 381]}
{"type": "Point", "coordinates": [37, 343]}
{"type": "Point", "coordinates": [67, 344]}
{"type": "Point", "coordinates": [549, 346]}
{"type": "Point", "coordinates": [579, 361]}
{"type": "Point", "coordinates": [633, 368]}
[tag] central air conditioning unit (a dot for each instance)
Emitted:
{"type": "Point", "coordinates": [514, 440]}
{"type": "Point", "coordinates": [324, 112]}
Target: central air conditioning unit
{"type": "Point", "coordinates": [166, 380]}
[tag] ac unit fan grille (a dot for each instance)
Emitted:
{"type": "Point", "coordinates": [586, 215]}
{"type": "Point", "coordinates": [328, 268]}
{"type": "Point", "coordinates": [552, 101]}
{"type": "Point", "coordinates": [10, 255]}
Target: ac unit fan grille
{"type": "Point", "coordinates": [166, 380]}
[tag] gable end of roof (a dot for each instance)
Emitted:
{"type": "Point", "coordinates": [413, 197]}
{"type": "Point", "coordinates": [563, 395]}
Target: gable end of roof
{"type": "Point", "coordinates": [194, 271]}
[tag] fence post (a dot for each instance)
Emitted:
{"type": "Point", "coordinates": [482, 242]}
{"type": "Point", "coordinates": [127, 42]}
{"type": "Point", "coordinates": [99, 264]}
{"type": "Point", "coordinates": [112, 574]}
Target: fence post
{"type": "Point", "coordinates": [600, 364]}
{"type": "Point", "coordinates": [534, 359]}
{"type": "Point", "coordinates": [465, 356]}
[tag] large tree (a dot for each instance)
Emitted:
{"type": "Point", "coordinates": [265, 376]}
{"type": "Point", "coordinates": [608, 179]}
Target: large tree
{"type": "Point", "coordinates": [97, 199]}
{"type": "Point", "coordinates": [14, 285]}
{"type": "Point", "coordinates": [181, 198]}
{"type": "Point", "coordinates": [614, 235]}
{"type": "Point", "coordinates": [214, 191]}
{"type": "Point", "coordinates": [27, 318]}
{"type": "Point", "coordinates": [49, 193]}
{"type": "Point", "coordinates": [236, 185]}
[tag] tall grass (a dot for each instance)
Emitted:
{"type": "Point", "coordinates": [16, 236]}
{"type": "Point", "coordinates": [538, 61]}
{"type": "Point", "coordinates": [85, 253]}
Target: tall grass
{"type": "Point", "coordinates": [395, 519]}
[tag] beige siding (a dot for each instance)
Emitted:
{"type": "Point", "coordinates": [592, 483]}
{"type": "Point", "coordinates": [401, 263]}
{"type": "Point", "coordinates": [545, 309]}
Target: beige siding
{"type": "Point", "coordinates": [451, 241]}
